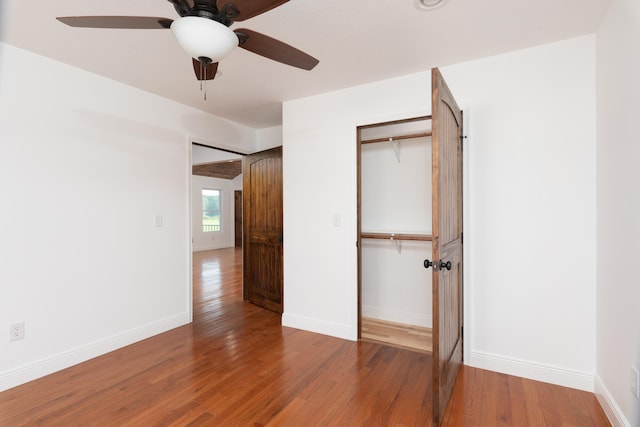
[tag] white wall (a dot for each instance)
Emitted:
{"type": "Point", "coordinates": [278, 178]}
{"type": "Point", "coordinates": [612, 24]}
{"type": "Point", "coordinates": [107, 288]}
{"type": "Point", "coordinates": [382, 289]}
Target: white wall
{"type": "Point", "coordinates": [268, 138]}
{"type": "Point", "coordinates": [200, 154]}
{"type": "Point", "coordinates": [531, 210]}
{"type": "Point", "coordinates": [86, 165]}
{"type": "Point", "coordinates": [618, 189]}
{"type": "Point", "coordinates": [319, 172]}
{"type": "Point", "coordinates": [395, 285]}
{"type": "Point", "coordinates": [529, 204]}
{"type": "Point", "coordinates": [396, 195]}
{"type": "Point", "coordinates": [225, 238]}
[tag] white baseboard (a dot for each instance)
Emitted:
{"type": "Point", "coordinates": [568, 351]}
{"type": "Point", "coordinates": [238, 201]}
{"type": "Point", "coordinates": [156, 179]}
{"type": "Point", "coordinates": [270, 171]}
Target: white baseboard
{"type": "Point", "coordinates": [611, 408]}
{"type": "Point", "coordinates": [532, 370]}
{"type": "Point", "coordinates": [397, 316]}
{"type": "Point", "coordinates": [57, 362]}
{"type": "Point", "coordinates": [337, 330]}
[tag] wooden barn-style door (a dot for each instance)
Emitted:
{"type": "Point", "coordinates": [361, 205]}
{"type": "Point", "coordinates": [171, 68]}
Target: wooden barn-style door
{"type": "Point", "coordinates": [263, 230]}
{"type": "Point", "coordinates": [447, 242]}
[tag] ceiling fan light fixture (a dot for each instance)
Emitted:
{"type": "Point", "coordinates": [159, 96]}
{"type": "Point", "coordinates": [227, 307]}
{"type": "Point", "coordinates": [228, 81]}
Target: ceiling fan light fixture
{"type": "Point", "coordinates": [428, 4]}
{"type": "Point", "coordinates": [204, 38]}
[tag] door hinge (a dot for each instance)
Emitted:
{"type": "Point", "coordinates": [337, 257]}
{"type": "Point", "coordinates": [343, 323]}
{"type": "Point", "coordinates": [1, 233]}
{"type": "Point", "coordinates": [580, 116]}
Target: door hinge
{"type": "Point", "coordinates": [461, 237]}
{"type": "Point", "coordinates": [462, 138]}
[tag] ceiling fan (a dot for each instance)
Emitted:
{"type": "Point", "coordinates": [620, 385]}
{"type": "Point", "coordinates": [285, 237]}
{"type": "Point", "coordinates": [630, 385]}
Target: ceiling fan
{"type": "Point", "coordinates": [203, 32]}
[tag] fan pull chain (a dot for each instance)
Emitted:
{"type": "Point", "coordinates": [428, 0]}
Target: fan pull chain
{"type": "Point", "coordinates": [203, 81]}
{"type": "Point", "coordinates": [201, 76]}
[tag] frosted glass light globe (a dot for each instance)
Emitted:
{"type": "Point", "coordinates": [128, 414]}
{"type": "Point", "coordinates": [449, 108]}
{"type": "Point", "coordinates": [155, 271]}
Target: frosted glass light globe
{"type": "Point", "coordinates": [204, 38]}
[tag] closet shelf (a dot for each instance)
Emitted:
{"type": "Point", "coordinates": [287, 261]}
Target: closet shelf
{"type": "Point", "coordinates": [396, 138]}
{"type": "Point", "coordinates": [396, 236]}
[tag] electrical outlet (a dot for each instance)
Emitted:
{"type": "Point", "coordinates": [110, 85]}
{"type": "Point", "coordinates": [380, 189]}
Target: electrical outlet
{"type": "Point", "coordinates": [635, 383]}
{"type": "Point", "coordinates": [16, 331]}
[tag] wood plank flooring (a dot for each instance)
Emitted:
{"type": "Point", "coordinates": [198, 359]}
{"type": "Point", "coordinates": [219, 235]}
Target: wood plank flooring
{"type": "Point", "coordinates": [409, 337]}
{"type": "Point", "coordinates": [237, 366]}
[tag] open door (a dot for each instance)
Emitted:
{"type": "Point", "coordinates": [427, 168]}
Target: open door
{"type": "Point", "coordinates": [262, 218]}
{"type": "Point", "coordinates": [447, 242]}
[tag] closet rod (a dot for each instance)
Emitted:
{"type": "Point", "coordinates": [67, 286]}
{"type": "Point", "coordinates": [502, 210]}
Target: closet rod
{"type": "Point", "coordinates": [397, 236]}
{"type": "Point", "coordinates": [396, 138]}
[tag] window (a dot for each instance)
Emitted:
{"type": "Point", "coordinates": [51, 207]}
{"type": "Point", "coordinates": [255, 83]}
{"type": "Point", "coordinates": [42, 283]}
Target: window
{"type": "Point", "coordinates": [211, 213]}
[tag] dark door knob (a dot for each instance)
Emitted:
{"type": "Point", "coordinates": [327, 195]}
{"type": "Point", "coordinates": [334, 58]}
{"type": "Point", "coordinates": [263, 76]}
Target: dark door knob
{"type": "Point", "coordinates": [427, 263]}
{"type": "Point", "coordinates": [446, 265]}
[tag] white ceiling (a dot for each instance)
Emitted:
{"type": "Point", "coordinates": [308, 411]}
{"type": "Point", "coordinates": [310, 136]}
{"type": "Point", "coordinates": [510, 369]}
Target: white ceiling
{"type": "Point", "coordinates": [356, 41]}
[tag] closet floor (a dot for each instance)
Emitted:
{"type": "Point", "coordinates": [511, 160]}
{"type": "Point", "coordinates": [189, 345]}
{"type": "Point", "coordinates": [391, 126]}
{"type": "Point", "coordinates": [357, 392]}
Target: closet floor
{"type": "Point", "coordinates": [396, 334]}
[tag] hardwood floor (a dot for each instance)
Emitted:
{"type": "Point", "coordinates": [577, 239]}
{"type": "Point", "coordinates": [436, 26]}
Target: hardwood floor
{"type": "Point", "coordinates": [236, 366]}
{"type": "Point", "coordinates": [409, 337]}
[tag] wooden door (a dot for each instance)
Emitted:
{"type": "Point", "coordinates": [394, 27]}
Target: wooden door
{"type": "Point", "coordinates": [237, 219]}
{"type": "Point", "coordinates": [262, 217]}
{"type": "Point", "coordinates": [447, 242]}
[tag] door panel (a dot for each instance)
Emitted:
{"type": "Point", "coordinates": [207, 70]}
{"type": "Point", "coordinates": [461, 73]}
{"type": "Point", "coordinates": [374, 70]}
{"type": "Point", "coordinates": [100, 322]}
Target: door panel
{"type": "Point", "coordinates": [237, 203]}
{"type": "Point", "coordinates": [262, 217]}
{"type": "Point", "coordinates": [447, 243]}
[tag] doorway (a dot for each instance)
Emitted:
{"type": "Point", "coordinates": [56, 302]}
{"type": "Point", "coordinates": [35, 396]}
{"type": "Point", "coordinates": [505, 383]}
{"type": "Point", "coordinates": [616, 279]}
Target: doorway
{"type": "Point", "coordinates": [395, 214]}
{"type": "Point", "coordinates": [216, 176]}
{"type": "Point", "coordinates": [237, 202]}
{"type": "Point", "coordinates": [444, 133]}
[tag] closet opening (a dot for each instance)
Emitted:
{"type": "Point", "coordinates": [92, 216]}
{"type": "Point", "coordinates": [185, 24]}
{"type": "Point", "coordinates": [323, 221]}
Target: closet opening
{"type": "Point", "coordinates": [395, 233]}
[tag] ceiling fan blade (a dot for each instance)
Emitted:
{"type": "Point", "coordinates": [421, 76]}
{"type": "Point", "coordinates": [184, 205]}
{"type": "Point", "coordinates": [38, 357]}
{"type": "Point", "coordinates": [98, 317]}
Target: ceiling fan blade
{"type": "Point", "coordinates": [274, 49]}
{"type": "Point", "coordinates": [249, 8]}
{"type": "Point", "coordinates": [129, 22]}
{"type": "Point", "coordinates": [204, 73]}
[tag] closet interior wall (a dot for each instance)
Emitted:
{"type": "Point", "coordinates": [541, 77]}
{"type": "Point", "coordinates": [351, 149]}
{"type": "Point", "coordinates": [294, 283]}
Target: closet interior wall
{"type": "Point", "coordinates": [395, 223]}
